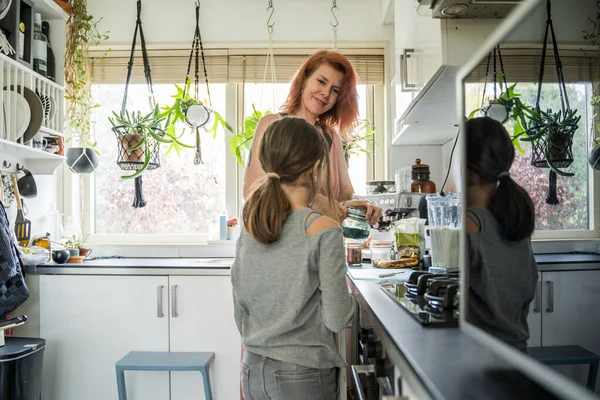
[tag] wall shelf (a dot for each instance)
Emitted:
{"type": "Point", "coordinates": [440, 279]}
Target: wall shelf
{"type": "Point", "coordinates": [36, 160]}
{"type": "Point", "coordinates": [50, 10]}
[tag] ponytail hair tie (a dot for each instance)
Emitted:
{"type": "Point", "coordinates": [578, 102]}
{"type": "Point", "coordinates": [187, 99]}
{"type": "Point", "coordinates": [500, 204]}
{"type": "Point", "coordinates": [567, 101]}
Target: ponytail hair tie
{"type": "Point", "coordinates": [504, 174]}
{"type": "Point", "coordinates": [273, 175]}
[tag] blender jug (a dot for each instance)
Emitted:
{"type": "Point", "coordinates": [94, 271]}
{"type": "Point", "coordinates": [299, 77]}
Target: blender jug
{"type": "Point", "coordinates": [444, 227]}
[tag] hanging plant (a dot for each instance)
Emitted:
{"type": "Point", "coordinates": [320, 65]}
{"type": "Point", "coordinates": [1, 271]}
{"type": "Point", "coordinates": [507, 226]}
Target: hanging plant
{"type": "Point", "coordinates": [551, 133]}
{"type": "Point", "coordinates": [242, 141]}
{"type": "Point", "coordinates": [593, 36]}
{"type": "Point", "coordinates": [361, 141]}
{"type": "Point", "coordinates": [82, 33]}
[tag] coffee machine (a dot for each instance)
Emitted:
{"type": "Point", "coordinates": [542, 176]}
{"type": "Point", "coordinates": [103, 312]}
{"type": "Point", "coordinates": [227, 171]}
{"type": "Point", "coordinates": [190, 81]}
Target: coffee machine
{"type": "Point", "coordinates": [397, 206]}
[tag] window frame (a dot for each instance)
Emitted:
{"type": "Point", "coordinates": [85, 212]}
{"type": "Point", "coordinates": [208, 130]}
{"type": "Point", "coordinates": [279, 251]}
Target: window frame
{"type": "Point", "coordinates": [78, 190]}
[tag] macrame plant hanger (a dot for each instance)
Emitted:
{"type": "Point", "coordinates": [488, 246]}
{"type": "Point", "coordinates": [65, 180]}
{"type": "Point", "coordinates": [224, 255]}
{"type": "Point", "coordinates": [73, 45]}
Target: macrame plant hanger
{"type": "Point", "coordinates": [334, 26]}
{"type": "Point", "coordinates": [495, 110]}
{"type": "Point", "coordinates": [270, 61]}
{"type": "Point", "coordinates": [552, 144]}
{"type": "Point", "coordinates": [124, 157]}
{"type": "Point", "coordinates": [195, 54]}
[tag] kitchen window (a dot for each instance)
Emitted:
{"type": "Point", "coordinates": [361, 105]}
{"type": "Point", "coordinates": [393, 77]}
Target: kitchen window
{"type": "Point", "coordinates": [184, 200]}
{"type": "Point", "coordinates": [574, 215]}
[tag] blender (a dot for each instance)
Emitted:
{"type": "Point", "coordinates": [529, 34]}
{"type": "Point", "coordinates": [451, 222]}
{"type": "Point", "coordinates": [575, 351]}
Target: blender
{"type": "Point", "coordinates": [444, 215]}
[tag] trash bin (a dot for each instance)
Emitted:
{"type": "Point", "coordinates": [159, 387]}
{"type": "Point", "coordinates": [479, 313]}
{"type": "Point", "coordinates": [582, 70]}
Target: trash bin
{"type": "Point", "coordinates": [21, 367]}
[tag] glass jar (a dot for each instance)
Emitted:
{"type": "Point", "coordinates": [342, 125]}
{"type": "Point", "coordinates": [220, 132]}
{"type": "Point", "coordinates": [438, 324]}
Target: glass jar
{"type": "Point", "coordinates": [354, 253]}
{"type": "Point", "coordinates": [420, 179]}
{"type": "Point", "coordinates": [381, 250]}
{"type": "Point", "coordinates": [356, 225]}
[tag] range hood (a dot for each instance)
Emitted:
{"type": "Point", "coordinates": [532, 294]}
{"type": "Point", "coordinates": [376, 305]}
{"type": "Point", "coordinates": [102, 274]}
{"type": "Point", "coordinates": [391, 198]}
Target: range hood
{"type": "Point", "coordinates": [482, 9]}
{"type": "Point", "coordinates": [430, 119]}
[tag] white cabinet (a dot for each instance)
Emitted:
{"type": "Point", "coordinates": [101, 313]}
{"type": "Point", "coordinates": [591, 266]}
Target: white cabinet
{"type": "Point", "coordinates": [90, 322]}
{"type": "Point", "coordinates": [202, 320]}
{"type": "Point", "coordinates": [568, 315]}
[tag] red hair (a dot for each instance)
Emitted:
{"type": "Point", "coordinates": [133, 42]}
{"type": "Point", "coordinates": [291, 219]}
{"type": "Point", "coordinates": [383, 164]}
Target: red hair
{"type": "Point", "coordinates": [344, 113]}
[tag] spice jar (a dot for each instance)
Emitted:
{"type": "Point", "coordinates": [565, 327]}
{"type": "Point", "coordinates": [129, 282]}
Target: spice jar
{"type": "Point", "coordinates": [356, 225]}
{"type": "Point", "coordinates": [354, 253]}
{"type": "Point", "coordinates": [420, 179]}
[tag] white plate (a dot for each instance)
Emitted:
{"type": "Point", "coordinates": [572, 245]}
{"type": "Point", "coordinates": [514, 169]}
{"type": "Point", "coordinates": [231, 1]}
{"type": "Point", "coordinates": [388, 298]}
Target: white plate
{"type": "Point", "coordinates": [18, 110]}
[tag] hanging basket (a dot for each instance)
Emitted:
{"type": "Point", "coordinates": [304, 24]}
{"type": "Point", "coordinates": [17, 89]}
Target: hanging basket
{"type": "Point", "coordinates": [82, 160]}
{"type": "Point", "coordinates": [554, 147]}
{"type": "Point", "coordinates": [129, 160]}
{"type": "Point", "coordinates": [499, 108]}
{"type": "Point", "coordinates": [594, 155]}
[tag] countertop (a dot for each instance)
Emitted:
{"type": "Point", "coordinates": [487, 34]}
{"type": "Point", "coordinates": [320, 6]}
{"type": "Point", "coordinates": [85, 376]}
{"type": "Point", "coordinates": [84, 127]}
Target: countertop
{"type": "Point", "coordinates": [137, 266]}
{"type": "Point", "coordinates": [449, 363]}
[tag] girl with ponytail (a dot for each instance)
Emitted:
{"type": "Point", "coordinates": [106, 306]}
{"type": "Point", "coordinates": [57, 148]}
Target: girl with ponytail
{"type": "Point", "coordinates": [289, 273]}
{"type": "Point", "coordinates": [500, 222]}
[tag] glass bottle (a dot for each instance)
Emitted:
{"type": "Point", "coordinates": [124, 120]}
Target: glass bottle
{"type": "Point", "coordinates": [21, 52]}
{"type": "Point", "coordinates": [420, 179]}
{"type": "Point", "coordinates": [50, 54]}
{"type": "Point", "coordinates": [40, 47]}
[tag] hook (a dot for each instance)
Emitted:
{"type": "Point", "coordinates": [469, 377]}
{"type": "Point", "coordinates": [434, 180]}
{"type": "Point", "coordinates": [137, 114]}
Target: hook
{"type": "Point", "coordinates": [20, 167]}
{"type": "Point", "coordinates": [269, 24]}
{"type": "Point", "coordinates": [6, 164]}
{"type": "Point", "coordinates": [334, 7]}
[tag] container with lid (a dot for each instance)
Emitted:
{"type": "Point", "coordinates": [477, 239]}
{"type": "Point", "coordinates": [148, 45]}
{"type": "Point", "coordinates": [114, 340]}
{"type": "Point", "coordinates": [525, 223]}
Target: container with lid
{"type": "Point", "coordinates": [356, 225]}
{"type": "Point", "coordinates": [381, 250]}
{"type": "Point", "coordinates": [354, 253]}
{"type": "Point", "coordinates": [420, 179]}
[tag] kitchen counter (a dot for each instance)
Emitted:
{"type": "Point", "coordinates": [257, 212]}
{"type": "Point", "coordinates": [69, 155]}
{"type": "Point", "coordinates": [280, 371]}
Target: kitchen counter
{"type": "Point", "coordinates": [568, 261]}
{"type": "Point", "coordinates": [446, 362]}
{"type": "Point", "coordinates": [137, 266]}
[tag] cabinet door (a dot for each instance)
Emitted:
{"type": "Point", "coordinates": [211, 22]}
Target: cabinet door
{"type": "Point", "coordinates": [202, 320]}
{"type": "Point", "coordinates": [91, 322]}
{"type": "Point", "coordinates": [534, 319]}
{"type": "Point", "coordinates": [570, 314]}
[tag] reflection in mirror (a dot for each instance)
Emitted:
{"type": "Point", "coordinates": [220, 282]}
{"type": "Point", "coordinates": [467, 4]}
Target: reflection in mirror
{"type": "Point", "coordinates": [531, 125]}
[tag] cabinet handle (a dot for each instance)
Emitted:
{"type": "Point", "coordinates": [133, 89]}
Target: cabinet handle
{"type": "Point", "coordinates": [550, 307]}
{"type": "Point", "coordinates": [406, 87]}
{"type": "Point", "coordinates": [174, 301]}
{"type": "Point", "coordinates": [159, 301]}
{"type": "Point", "coordinates": [537, 300]}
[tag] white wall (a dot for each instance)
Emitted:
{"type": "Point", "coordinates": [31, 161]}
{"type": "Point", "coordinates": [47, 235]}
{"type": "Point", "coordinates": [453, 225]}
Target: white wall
{"type": "Point", "coordinates": [242, 21]}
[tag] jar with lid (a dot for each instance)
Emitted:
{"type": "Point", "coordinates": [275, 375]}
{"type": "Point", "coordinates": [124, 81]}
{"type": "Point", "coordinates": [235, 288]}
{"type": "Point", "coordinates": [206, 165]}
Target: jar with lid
{"type": "Point", "coordinates": [354, 253]}
{"type": "Point", "coordinates": [381, 250]}
{"type": "Point", "coordinates": [356, 225]}
{"type": "Point", "coordinates": [420, 179]}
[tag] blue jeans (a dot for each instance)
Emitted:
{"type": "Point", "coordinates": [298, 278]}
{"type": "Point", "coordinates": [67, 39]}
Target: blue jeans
{"type": "Point", "coordinates": [266, 379]}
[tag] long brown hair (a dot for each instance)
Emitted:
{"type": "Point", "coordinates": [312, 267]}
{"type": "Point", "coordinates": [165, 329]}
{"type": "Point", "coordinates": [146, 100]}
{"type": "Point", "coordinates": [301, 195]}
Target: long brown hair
{"type": "Point", "coordinates": [289, 148]}
{"type": "Point", "coordinates": [490, 154]}
{"type": "Point", "coordinates": [344, 113]}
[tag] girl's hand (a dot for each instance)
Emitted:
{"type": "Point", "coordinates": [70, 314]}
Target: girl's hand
{"type": "Point", "coordinates": [373, 212]}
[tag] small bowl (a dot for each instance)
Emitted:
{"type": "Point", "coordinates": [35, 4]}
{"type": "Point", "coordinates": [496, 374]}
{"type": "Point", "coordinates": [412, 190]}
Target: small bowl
{"type": "Point", "coordinates": [76, 259]}
{"type": "Point", "coordinates": [60, 256]}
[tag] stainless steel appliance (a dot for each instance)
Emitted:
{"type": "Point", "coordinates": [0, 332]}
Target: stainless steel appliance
{"type": "Point", "coordinates": [396, 206]}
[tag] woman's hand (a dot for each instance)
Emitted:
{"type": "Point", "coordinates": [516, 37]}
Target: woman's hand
{"type": "Point", "coordinates": [373, 212]}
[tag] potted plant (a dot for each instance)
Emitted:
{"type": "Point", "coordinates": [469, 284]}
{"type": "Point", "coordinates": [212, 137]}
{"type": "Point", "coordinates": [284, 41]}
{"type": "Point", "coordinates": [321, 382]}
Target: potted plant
{"type": "Point", "coordinates": [508, 104]}
{"type": "Point", "coordinates": [551, 135]}
{"type": "Point", "coordinates": [76, 243]}
{"type": "Point", "coordinates": [82, 33]}
{"type": "Point", "coordinates": [138, 137]}
{"type": "Point", "coordinates": [361, 140]}
{"type": "Point", "coordinates": [243, 140]}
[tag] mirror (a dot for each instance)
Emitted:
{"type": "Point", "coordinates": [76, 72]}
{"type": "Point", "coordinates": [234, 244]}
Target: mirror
{"type": "Point", "coordinates": [548, 311]}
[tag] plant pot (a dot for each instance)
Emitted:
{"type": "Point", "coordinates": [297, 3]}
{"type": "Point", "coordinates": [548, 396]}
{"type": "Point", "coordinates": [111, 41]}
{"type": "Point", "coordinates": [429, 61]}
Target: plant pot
{"type": "Point", "coordinates": [85, 252]}
{"type": "Point", "coordinates": [82, 160]}
{"type": "Point", "coordinates": [594, 157]}
{"type": "Point", "coordinates": [128, 141]}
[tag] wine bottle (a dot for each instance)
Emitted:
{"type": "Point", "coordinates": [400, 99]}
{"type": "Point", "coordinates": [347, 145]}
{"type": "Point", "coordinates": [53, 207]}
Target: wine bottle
{"type": "Point", "coordinates": [50, 54]}
{"type": "Point", "coordinates": [40, 46]}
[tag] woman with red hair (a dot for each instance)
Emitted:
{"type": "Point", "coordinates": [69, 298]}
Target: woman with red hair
{"type": "Point", "coordinates": [323, 93]}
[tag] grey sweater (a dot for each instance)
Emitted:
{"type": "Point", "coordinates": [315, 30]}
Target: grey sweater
{"type": "Point", "coordinates": [290, 296]}
{"type": "Point", "coordinates": [502, 280]}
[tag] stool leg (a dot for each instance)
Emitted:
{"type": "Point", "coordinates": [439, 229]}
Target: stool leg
{"type": "Point", "coordinates": [121, 384]}
{"type": "Point", "coordinates": [207, 388]}
{"type": "Point", "coordinates": [592, 374]}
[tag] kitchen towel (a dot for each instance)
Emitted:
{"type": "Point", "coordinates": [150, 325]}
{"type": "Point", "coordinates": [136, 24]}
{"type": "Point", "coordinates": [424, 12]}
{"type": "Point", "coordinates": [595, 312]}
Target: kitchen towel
{"type": "Point", "coordinates": [13, 290]}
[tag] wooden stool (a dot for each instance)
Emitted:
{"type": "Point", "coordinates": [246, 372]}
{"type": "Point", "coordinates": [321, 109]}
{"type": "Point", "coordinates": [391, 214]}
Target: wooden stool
{"type": "Point", "coordinates": [566, 355]}
{"type": "Point", "coordinates": [164, 361]}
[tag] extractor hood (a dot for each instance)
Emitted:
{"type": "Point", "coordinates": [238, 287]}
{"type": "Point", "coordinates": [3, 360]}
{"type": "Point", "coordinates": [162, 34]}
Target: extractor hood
{"type": "Point", "coordinates": [482, 9]}
{"type": "Point", "coordinates": [430, 119]}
